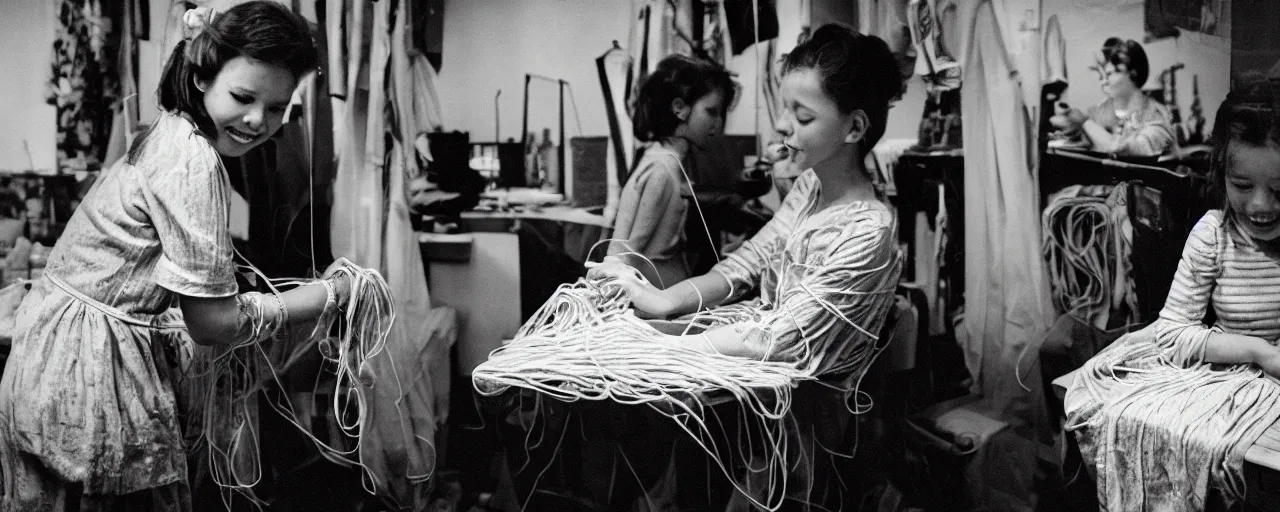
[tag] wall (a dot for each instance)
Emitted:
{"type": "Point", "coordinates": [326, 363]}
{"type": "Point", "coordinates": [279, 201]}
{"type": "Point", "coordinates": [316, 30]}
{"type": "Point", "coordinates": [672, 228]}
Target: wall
{"type": "Point", "coordinates": [490, 44]}
{"type": "Point", "coordinates": [26, 29]}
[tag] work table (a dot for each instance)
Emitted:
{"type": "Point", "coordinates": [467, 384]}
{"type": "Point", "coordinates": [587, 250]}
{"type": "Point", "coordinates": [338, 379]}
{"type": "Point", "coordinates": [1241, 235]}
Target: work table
{"type": "Point", "coordinates": [503, 266]}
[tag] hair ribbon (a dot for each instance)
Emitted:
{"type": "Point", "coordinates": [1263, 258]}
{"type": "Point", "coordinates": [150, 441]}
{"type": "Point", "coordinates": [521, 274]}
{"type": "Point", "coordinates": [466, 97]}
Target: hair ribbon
{"type": "Point", "coordinates": [195, 20]}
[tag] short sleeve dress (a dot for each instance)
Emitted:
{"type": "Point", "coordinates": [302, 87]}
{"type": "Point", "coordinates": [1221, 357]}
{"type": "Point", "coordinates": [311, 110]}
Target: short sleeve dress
{"type": "Point", "coordinates": [87, 398]}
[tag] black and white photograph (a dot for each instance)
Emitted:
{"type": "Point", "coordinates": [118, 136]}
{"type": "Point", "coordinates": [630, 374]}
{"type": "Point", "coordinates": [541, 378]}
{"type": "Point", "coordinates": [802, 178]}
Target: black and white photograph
{"type": "Point", "coordinates": [639, 255]}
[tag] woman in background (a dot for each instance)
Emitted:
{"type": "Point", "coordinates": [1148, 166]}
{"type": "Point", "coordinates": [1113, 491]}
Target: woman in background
{"type": "Point", "coordinates": [1128, 122]}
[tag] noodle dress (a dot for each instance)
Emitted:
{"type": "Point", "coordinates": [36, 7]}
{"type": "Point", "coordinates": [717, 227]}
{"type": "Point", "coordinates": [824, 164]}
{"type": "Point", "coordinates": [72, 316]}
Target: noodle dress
{"type": "Point", "coordinates": [1157, 425]}
{"type": "Point", "coordinates": [826, 280]}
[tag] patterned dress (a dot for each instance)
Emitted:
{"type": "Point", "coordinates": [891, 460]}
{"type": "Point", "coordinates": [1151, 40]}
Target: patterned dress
{"type": "Point", "coordinates": [88, 411]}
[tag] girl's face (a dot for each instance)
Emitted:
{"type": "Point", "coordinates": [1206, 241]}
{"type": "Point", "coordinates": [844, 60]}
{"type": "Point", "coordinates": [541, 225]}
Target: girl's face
{"type": "Point", "coordinates": [811, 124]}
{"type": "Point", "coordinates": [706, 120]}
{"type": "Point", "coordinates": [1116, 81]}
{"type": "Point", "coordinates": [246, 102]}
{"type": "Point", "coordinates": [1253, 189]}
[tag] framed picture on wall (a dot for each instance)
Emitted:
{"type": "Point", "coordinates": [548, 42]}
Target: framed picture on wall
{"type": "Point", "coordinates": [1164, 18]}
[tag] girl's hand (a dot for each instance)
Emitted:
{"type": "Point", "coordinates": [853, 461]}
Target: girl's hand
{"type": "Point", "coordinates": [647, 299]}
{"type": "Point", "coordinates": [333, 267]}
{"type": "Point", "coordinates": [341, 282]}
{"type": "Point", "coordinates": [1269, 361]}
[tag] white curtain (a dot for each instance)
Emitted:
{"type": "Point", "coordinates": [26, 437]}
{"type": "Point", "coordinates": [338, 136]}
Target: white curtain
{"type": "Point", "coordinates": [1007, 302]}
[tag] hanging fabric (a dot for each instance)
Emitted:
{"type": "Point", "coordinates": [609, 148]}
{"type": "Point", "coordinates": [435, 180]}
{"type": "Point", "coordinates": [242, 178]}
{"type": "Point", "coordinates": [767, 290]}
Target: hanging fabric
{"type": "Point", "coordinates": [639, 48]}
{"type": "Point", "coordinates": [124, 118]}
{"type": "Point", "coordinates": [417, 103]}
{"type": "Point", "coordinates": [612, 68]}
{"type": "Point", "coordinates": [715, 34]}
{"type": "Point", "coordinates": [749, 22]}
{"type": "Point", "coordinates": [1006, 293]}
{"type": "Point", "coordinates": [937, 294]}
{"type": "Point", "coordinates": [82, 84]}
{"type": "Point", "coordinates": [371, 226]}
{"type": "Point", "coordinates": [886, 19]}
{"type": "Point", "coordinates": [1007, 306]}
{"type": "Point", "coordinates": [934, 63]}
{"type": "Point", "coordinates": [1055, 52]}
{"type": "Point", "coordinates": [336, 29]}
{"type": "Point", "coordinates": [402, 257]}
{"type": "Point", "coordinates": [662, 28]}
{"type": "Point", "coordinates": [356, 224]}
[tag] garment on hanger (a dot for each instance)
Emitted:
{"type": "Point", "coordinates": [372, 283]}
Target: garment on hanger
{"type": "Point", "coordinates": [82, 84]}
{"type": "Point", "coordinates": [886, 19]}
{"type": "Point", "coordinates": [716, 43]}
{"type": "Point", "coordinates": [933, 61]}
{"type": "Point", "coordinates": [1006, 294]}
{"type": "Point", "coordinates": [124, 116]}
{"type": "Point", "coordinates": [612, 68]}
{"type": "Point", "coordinates": [1055, 52]}
{"type": "Point", "coordinates": [417, 111]}
{"type": "Point", "coordinates": [335, 25]}
{"type": "Point", "coordinates": [662, 28]}
{"type": "Point", "coordinates": [398, 451]}
{"type": "Point", "coordinates": [356, 224]}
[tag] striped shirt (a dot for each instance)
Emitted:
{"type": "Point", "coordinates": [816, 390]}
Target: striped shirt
{"type": "Point", "coordinates": [1220, 267]}
{"type": "Point", "coordinates": [826, 280]}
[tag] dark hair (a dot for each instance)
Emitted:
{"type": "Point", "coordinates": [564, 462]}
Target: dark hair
{"type": "Point", "coordinates": [677, 77]}
{"type": "Point", "coordinates": [857, 71]}
{"type": "Point", "coordinates": [261, 30]}
{"type": "Point", "coordinates": [1127, 53]}
{"type": "Point", "coordinates": [1249, 115]}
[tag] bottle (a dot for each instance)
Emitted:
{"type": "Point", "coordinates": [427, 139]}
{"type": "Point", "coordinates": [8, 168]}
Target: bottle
{"type": "Point", "coordinates": [550, 162]}
{"type": "Point", "coordinates": [531, 161]}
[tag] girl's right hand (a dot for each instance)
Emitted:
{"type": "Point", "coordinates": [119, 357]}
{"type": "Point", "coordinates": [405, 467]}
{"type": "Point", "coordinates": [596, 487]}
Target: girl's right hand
{"type": "Point", "coordinates": [341, 283]}
{"type": "Point", "coordinates": [647, 299]}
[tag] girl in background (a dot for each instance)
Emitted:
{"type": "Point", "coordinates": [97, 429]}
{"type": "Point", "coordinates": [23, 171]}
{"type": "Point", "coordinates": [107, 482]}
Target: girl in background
{"type": "Point", "coordinates": [680, 108]}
